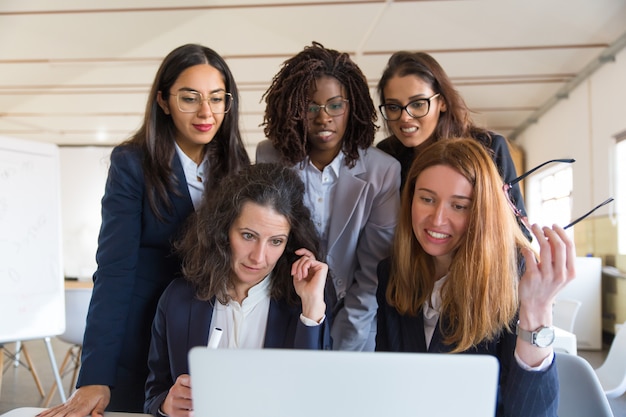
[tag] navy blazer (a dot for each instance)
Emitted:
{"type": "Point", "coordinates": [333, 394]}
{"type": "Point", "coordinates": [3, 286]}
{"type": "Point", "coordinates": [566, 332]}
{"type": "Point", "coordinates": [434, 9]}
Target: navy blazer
{"type": "Point", "coordinates": [182, 322]}
{"type": "Point", "coordinates": [521, 393]}
{"type": "Point", "coordinates": [135, 265]}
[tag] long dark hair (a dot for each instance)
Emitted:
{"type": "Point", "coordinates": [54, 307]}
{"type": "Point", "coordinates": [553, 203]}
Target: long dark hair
{"type": "Point", "coordinates": [155, 137]}
{"type": "Point", "coordinates": [456, 120]}
{"type": "Point", "coordinates": [285, 120]}
{"type": "Point", "coordinates": [205, 247]}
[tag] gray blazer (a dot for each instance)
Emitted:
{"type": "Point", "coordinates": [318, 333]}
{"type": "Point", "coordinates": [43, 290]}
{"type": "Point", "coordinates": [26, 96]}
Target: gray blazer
{"type": "Point", "coordinates": [362, 224]}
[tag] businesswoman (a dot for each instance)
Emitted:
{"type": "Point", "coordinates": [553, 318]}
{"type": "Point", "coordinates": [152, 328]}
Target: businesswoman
{"type": "Point", "coordinates": [453, 282]}
{"type": "Point", "coordinates": [251, 269]}
{"type": "Point", "coordinates": [320, 119]}
{"type": "Point", "coordinates": [420, 106]}
{"type": "Point", "coordinates": [188, 142]}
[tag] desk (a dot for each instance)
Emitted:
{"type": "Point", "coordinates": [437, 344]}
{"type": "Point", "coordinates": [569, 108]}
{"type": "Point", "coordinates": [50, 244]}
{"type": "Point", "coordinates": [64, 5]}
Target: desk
{"type": "Point", "coordinates": [75, 283]}
{"type": "Point", "coordinates": [564, 341]}
{"type": "Point", "coordinates": [33, 411]}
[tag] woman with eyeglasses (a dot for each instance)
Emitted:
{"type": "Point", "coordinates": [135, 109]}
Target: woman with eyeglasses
{"type": "Point", "coordinates": [320, 119]}
{"type": "Point", "coordinates": [421, 106]}
{"type": "Point", "coordinates": [454, 283]}
{"type": "Point", "coordinates": [188, 142]}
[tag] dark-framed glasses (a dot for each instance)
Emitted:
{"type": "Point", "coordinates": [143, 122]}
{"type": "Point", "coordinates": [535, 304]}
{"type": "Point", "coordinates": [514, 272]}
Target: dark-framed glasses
{"type": "Point", "coordinates": [507, 188]}
{"type": "Point", "coordinates": [416, 109]}
{"type": "Point", "coordinates": [191, 101]}
{"type": "Point", "coordinates": [334, 107]}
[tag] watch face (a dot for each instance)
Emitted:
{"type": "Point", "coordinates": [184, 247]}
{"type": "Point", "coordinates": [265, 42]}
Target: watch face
{"type": "Point", "coordinates": [545, 337]}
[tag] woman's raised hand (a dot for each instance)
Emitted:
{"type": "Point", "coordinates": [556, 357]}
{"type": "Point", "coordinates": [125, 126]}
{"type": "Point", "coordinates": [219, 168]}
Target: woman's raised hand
{"type": "Point", "coordinates": [309, 279]}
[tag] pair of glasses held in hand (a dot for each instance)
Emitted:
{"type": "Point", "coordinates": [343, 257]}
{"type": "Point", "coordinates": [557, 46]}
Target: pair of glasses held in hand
{"type": "Point", "coordinates": [507, 187]}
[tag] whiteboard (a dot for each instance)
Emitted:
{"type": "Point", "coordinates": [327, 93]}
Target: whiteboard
{"type": "Point", "coordinates": [32, 302]}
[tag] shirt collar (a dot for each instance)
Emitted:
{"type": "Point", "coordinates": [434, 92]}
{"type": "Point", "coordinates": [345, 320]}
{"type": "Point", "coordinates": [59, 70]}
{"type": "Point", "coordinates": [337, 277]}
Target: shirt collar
{"type": "Point", "coordinates": [189, 166]}
{"type": "Point", "coordinates": [332, 168]}
{"type": "Point", "coordinates": [256, 294]}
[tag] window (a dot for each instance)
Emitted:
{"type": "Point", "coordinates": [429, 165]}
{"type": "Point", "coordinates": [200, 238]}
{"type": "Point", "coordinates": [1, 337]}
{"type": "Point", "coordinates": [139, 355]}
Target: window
{"type": "Point", "coordinates": [553, 204]}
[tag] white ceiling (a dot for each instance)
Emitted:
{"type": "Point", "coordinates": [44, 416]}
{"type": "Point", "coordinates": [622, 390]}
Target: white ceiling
{"type": "Point", "coordinates": [77, 72]}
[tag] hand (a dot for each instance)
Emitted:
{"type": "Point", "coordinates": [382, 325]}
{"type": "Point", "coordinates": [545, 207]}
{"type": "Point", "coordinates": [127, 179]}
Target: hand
{"type": "Point", "coordinates": [86, 400]}
{"type": "Point", "coordinates": [540, 284]}
{"type": "Point", "coordinates": [178, 400]}
{"type": "Point", "coordinates": [309, 279]}
{"type": "Point", "coordinates": [544, 278]}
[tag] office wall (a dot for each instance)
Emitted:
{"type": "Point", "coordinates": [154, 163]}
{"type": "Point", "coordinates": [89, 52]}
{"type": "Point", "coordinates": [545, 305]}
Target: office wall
{"type": "Point", "coordinates": [83, 175]}
{"type": "Point", "coordinates": [583, 127]}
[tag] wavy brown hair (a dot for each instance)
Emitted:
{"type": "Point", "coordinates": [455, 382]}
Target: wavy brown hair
{"type": "Point", "coordinates": [288, 97]}
{"type": "Point", "coordinates": [205, 247]}
{"type": "Point", "coordinates": [156, 136]}
{"type": "Point", "coordinates": [479, 297]}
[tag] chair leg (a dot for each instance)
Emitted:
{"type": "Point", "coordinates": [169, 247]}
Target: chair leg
{"type": "Point", "coordinates": [66, 359]}
{"type": "Point", "coordinates": [79, 351]}
{"type": "Point", "coordinates": [32, 370]}
{"type": "Point", "coordinates": [1, 365]}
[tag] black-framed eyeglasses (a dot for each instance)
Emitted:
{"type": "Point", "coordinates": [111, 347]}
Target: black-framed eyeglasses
{"type": "Point", "coordinates": [416, 109]}
{"type": "Point", "coordinates": [507, 187]}
{"type": "Point", "coordinates": [191, 101]}
{"type": "Point", "coordinates": [333, 107]}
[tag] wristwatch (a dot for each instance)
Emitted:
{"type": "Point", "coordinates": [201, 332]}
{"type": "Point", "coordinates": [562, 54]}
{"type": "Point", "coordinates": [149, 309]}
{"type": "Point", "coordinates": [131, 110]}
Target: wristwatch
{"type": "Point", "coordinates": [541, 337]}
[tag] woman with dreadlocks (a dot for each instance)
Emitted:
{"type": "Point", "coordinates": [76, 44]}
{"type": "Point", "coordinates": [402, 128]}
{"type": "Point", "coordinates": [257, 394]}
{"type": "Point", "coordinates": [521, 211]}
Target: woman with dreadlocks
{"type": "Point", "coordinates": [320, 119]}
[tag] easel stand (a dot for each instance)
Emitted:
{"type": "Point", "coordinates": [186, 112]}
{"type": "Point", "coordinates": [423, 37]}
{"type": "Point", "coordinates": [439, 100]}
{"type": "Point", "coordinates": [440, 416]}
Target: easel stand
{"type": "Point", "coordinates": [23, 351]}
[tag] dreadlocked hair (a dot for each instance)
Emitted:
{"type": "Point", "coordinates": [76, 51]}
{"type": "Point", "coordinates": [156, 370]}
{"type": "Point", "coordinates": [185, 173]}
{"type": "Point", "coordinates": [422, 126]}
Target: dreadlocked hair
{"type": "Point", "coordinates": [288, 97]}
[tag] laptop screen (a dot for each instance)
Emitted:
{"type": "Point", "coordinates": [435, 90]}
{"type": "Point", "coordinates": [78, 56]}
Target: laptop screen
{"type": "Point", "coordinates": [305, 383]}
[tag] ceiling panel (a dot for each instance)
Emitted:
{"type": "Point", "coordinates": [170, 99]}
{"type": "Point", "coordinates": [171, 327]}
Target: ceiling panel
{"type": "Point", "coordinates": [78, 73]}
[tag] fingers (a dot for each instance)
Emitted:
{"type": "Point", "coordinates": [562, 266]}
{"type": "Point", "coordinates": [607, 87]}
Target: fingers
{"type": "Point", "coordinates": [300, 268]}
{"type": "Point", "coordinates": [87, 400]}
{"type": "Point", "coordinates": [304, 252]}
{"type": "Point", "coordinates": [546, 276]}
{"type": "Point", "coordinates": [178, 401]}
{"type": "Point", "coordinates": [557, 253]}
{"type": "Point", "coordinates": [570, 252]}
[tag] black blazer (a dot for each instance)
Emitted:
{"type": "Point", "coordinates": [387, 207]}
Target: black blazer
{"type": "Point", "coordinates": [521, 393]}
{"type": "Point", "coordinates": [182, 322]}
{"type": "Point", "coordinates": [135, 265]}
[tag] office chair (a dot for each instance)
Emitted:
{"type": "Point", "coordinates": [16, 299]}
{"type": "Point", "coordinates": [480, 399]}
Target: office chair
{"type": "Point", "coordinates": [612, 373]}
{"type": "Point", "coordinates": [564, 313]}
{"type": "Point", "coordinates": [580, 392]}
{"type": "Point", "coordinates": [76, 307]}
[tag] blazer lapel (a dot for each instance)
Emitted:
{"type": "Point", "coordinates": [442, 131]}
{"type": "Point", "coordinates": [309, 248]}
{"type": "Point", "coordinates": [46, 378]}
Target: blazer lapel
{"type": "Point", "coordinates": [349, 188]}
{"type": "Point", "coordinates": [436, 344]}
{"type": "Point", "coordinates": [181, 202]}
{"type": "Point", "coordinates": [412, 331]}
{"type": "Point", "coordinates": [200, 316]}
{"type": "Point", "coordinates": [277, 325]}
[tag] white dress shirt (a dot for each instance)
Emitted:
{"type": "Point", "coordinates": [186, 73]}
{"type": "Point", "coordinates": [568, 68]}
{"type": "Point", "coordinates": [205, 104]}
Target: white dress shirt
{"type": "Point", "coordinates": [319, 193]}
{"type": "Point", "coordinates": [244, 325]}
{"type": "Point", "coordinates": [194, 175]}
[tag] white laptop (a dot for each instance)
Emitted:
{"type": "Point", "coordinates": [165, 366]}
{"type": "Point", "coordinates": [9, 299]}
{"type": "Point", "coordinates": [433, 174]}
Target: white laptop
{"type": "Point", "coordinates": [306, 383]}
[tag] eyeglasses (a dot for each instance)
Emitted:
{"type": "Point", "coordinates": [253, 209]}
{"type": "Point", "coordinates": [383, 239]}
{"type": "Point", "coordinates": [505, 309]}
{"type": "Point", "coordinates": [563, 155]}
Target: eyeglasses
{"type": "Point", "coordinates": [191, 101]}
{"type": "Point", "coordinates": [507, 187]}
{"type": "Point", "coordinates": [334, 107]}
{"type": "Point", "coordinates": [416, 109]}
